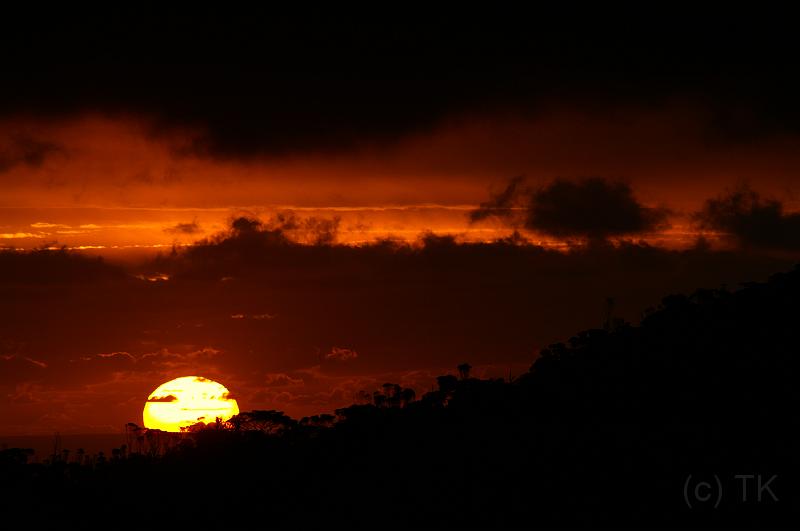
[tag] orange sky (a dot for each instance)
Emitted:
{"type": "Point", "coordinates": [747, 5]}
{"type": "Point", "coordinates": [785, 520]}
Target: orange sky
{"type": "Point", "coordinates": [116, 185]}
{"type": "Point", "coordinates": [110, 180]}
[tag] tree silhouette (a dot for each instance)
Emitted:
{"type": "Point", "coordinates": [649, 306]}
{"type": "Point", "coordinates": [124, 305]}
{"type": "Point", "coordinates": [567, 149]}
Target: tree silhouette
{"type": "Point", "coordinates": [267, 421]}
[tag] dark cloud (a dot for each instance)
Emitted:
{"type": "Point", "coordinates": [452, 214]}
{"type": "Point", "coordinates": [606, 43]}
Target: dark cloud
{"type": "Point", "coordinates": [501, 205]}
{"type": "Point", "coordinates": [753, 221]}
{"type": "Point", "coordinates": [25, 150]}
{"type": "Point", "coordinates": [184, 228]}
{"type": "Point", "coordinates": [168, 398]}
{"type": "Point", "coordinates": [261, 83]}
{"type": "Point", "coordinates": [250, 241]}
{"type": "Point", "coordinates": [309, 230]}
{"type": "Point", "coordinates": [245, 225]}
{"type": "Point", "coordinates": [593, 208]}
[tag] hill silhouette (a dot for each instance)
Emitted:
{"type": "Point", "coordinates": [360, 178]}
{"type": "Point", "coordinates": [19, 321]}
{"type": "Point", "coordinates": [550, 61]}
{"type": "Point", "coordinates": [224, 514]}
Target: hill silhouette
{"type": "Point", "coordinates": [688, 418]}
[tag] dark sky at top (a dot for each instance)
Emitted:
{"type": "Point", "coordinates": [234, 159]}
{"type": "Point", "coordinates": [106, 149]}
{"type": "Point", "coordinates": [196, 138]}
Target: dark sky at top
{"type": "Point", "coordinates": [326, 79]}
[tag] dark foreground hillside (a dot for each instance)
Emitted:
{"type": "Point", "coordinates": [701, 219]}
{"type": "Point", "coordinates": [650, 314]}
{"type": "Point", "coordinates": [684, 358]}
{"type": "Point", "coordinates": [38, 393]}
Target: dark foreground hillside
{"type": "Point", "coordinates": [690, 418]}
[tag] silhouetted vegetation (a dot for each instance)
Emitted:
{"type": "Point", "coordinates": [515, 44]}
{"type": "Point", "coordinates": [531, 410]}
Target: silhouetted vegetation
{"type": "Point", "coordinates": [604, 429]}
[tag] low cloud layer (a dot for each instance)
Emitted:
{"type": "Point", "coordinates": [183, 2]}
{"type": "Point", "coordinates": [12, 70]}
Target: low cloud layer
{"type": "Point", "coordinates": [752, 220]}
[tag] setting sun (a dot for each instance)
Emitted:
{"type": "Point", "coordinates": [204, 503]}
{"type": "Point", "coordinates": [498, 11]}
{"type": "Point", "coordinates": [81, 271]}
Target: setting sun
{"type": "Point", "coordinates": [188, 400]}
